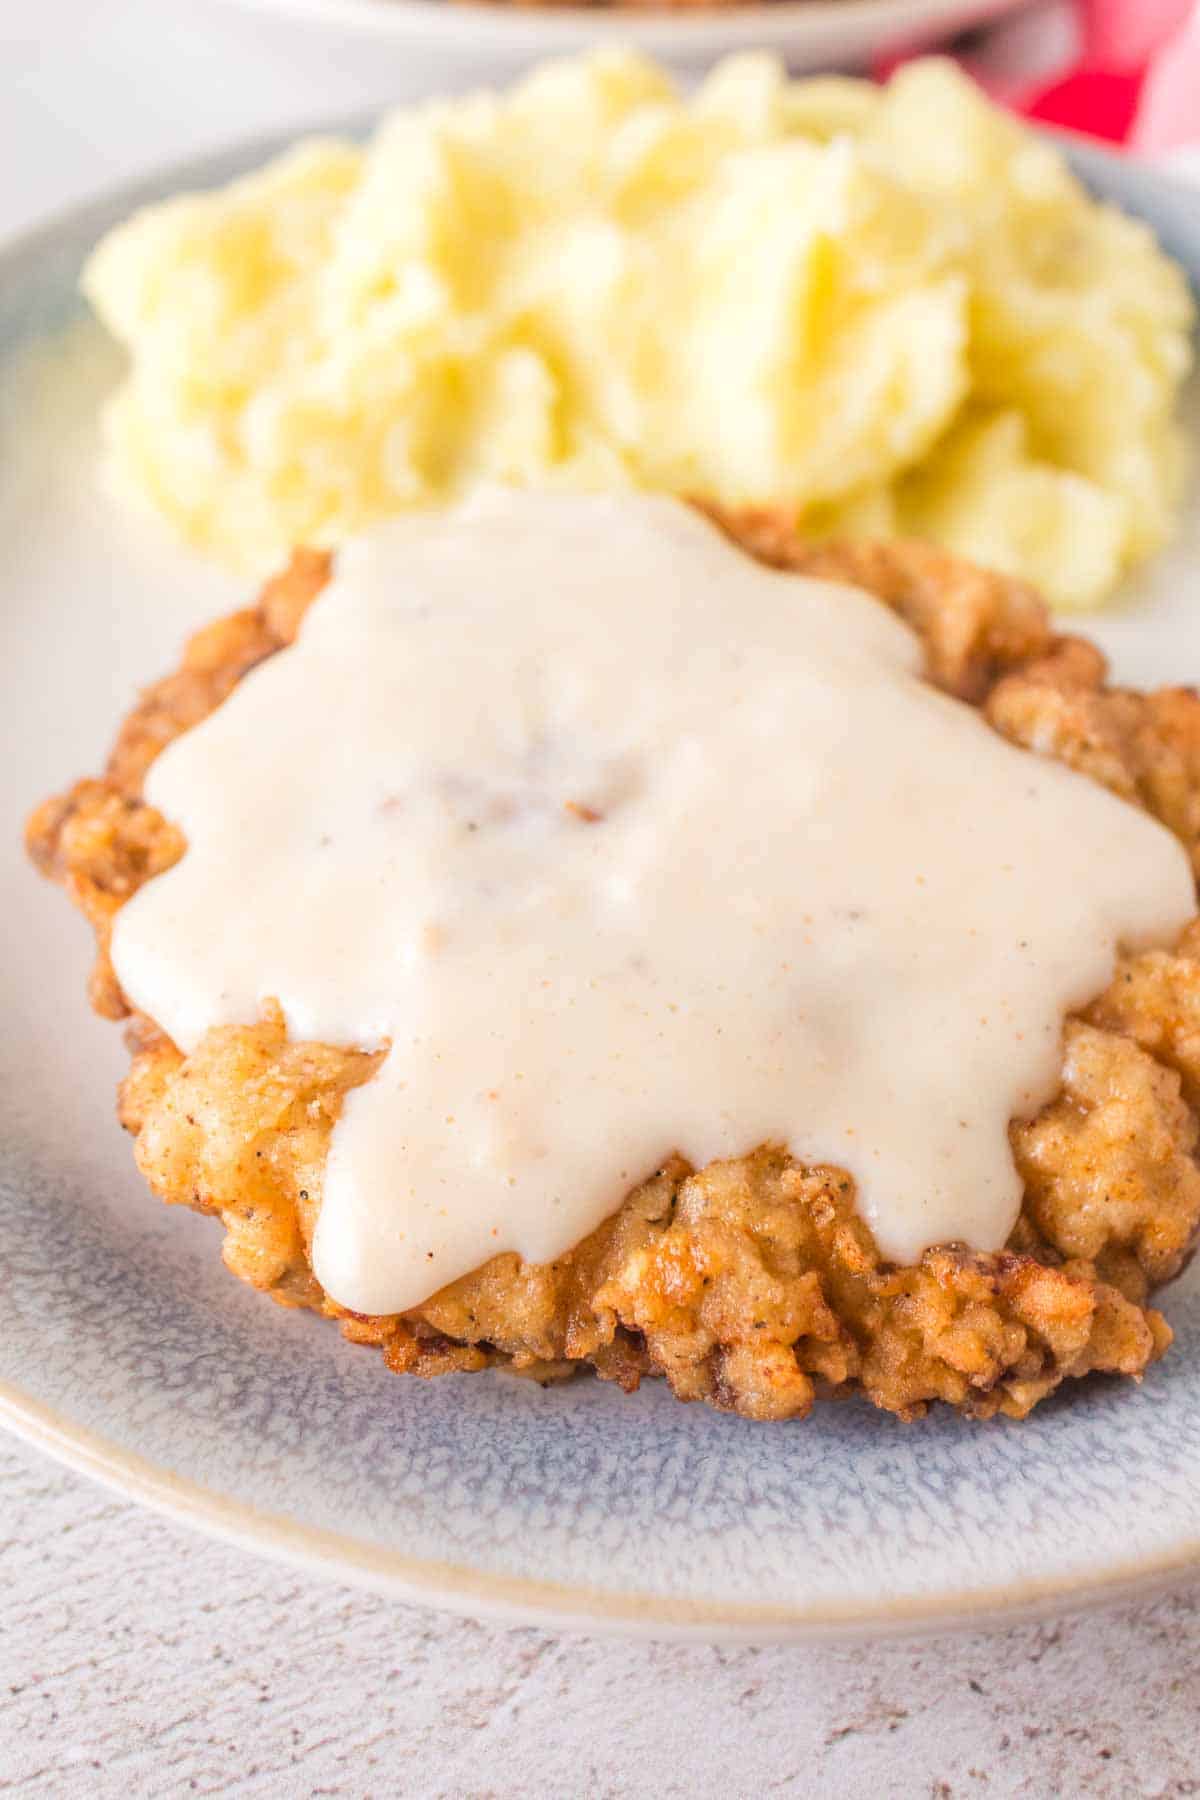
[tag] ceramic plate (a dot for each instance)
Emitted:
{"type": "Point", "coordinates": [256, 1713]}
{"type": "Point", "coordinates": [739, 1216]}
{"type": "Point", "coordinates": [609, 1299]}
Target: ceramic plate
{"type": "Point", "coordinates": [127, 1351]}
{"type": "Point", "coordinates": [814, 34]}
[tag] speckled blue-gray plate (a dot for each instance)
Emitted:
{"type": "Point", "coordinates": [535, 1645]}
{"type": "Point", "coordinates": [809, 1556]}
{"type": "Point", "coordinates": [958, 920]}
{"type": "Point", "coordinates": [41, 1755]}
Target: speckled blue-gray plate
{"type": "Point", "coordinates": [126, 1349]}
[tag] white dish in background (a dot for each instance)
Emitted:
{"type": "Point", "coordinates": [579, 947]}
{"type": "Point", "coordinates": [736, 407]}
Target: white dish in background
{"type": "Point", "coordinates": [126, 1350]}
{"type": "Point", "coordinates": [812, 34]}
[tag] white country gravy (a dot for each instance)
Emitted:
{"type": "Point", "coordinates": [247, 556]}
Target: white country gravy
{"type": "Point", "coordinates": [627, 845]}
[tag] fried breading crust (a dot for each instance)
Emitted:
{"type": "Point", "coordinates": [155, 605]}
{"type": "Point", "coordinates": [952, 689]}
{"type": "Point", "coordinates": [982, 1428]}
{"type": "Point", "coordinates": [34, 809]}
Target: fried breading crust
{"type": "Point", "coordinates": [751, 1284]}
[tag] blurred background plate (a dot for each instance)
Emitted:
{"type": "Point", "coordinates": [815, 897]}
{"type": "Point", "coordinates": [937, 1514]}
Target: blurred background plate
{"type": "Point", "coordinates": [812, 34]}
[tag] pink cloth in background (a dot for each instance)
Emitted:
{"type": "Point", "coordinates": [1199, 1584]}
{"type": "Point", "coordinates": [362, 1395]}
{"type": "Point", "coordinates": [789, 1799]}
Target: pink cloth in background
{"type": "Point", "coordinates": [1127, 33]}
{"type": "Point", "coordinates": [1124, 70]}
{"type": "Point", "coordinates": [1169, 116]}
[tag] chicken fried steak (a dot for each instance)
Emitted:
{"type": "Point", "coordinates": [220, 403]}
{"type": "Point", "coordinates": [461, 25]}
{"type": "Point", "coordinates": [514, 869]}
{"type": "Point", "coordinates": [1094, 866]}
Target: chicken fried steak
{"type": "Point", "coordinates": [752, 1283]}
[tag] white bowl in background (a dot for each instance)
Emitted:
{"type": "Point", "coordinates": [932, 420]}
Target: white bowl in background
{"type": "Point", "coordinates": [812, 34]}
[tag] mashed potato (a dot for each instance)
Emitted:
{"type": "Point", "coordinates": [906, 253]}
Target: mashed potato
{"type": "Point", "coordinates": [891, 310]}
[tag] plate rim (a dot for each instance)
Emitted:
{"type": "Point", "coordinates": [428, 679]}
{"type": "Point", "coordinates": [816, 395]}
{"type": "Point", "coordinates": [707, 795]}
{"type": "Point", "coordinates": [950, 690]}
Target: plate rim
{"type": "Point", "coordinates": [480, 27]}
{"type": "Point", "coordinates": [460, 1587]}
{"type": "Point", "coordinates": [557, 1606]}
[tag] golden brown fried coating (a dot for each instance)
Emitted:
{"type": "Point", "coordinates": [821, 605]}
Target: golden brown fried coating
{"type": "Point", "coordinates": [751, 1284]}
{"type": "Point", "coordinates": [1144, 747]}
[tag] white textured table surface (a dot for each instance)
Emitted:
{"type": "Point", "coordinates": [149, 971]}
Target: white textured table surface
{"type": "Point", "coordinates": [137, 1659]}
